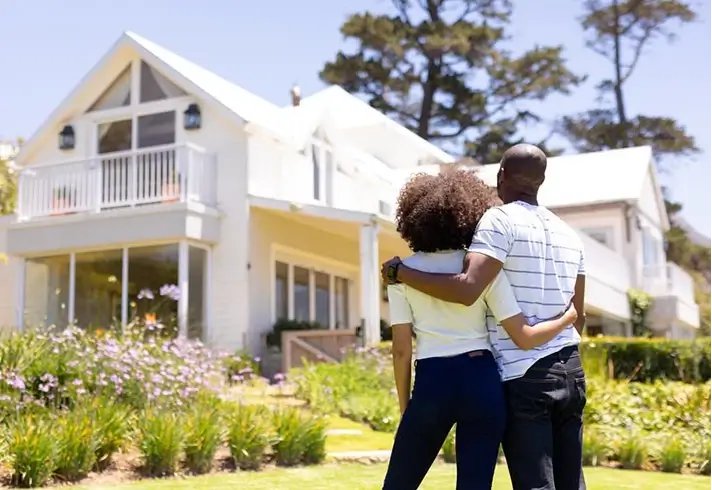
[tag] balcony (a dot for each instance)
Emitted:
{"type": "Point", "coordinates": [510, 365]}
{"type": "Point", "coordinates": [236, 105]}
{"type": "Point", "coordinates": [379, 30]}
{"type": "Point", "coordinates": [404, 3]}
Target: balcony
{"type": "Point", "coordinates": [673, 292]}
{"type": "Point", "coordinates": [344, 179]}
{"type": "Point", "coordinates": [172, 173]}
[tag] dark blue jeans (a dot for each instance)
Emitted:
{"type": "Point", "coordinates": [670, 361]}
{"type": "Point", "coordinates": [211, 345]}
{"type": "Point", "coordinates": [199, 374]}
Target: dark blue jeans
{"type": "Point", "coordinates": [465, 390]}
{"type": "Point", "coordinates": [543, 439]}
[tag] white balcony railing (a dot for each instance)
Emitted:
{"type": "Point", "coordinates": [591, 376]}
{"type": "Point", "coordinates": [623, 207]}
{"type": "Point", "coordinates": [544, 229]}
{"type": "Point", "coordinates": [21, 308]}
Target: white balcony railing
{"type": "Point", "coordinates": [133, 178]}
{"type": "Point", "coordinates": [669, 280]}
{"type": "Point", "coordinates": [341, 180]}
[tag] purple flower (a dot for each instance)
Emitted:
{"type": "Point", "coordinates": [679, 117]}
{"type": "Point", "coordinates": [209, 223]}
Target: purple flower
{"type": "Point", "coordinates": [145, 293]}
{"type": "Point", "coordinates": [171, 291]}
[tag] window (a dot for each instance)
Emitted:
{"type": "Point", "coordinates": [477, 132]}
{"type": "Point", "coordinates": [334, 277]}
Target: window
{"type": "Point", "coordinates": [118, 94]}
{"type": "Point", "coordinates": [281, 290]}
{"type": "Point", "coordinates": [603, 235]}
{"type": "Point", "coordinates": [301, 294]}
{"type": "Point", "coordinates": [341, 302]}
{"type": "Point", "coordinates": [47, 291]}
{"type": "Point", "coordinates": [651, 248]}
{"type": "Point", "coordinates": [157, 129]}
{"type": "Point", "coordinates": [317, 296]}
{"type": "Point", "coordinates": [114, 136]}
{"type": "Point", "coordinates": [98, 282]}
{"type": "Point", "coordinates": [322, 299]}
{"type": "Point", "coordinates": [155, 86]}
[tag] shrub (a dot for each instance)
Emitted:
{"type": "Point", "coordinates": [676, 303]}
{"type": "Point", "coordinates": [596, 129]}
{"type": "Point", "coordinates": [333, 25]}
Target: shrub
{"type": "Point", "coordinates": [113, 426]}
{"type": "Point", "coordinates": [672, 456]}
{"type": "Point", "coordinates": [241, 367]}
{"type": "Point", "coordinates": [76, 437]}
{"type": "Point", "coordinates": [160, 442]}
{"type": "Point", "coordinates": [32, 450]}
{"type": "Point", "coordinates": [648, 360]}
{"type": "Point", "coordinates": [203, 435]}
{"type": "Point", "coordinates": [379, 411]}
{"type": "Point", "coordinates": [705, 465]}
{"type": "Point", "coordinates": [595, 447]}
{"type": "Point", "coordinates": [449, 448]}
{"type": "Point", "coordinates": [633, 451]}
{"type": "Point", "coordinates": [247, 436]}
{"type": "Point", "coordinates": [300, 437]}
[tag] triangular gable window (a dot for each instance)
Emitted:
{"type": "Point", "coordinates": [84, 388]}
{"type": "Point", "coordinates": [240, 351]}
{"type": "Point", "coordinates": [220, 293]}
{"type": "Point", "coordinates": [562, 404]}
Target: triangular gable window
{"type": "Point", "coordinates": [117, 95]}
{"type": "Point", "coordinates": [155, 86]}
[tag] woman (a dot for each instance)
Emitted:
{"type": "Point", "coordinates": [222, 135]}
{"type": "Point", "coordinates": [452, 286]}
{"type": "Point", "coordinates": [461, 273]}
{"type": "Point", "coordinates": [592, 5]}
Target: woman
{"type": "Point", "coordinates": [456, 376]}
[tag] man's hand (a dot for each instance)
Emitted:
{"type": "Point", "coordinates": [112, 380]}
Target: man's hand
{"type": "Point", "coordinates": [386, 265]}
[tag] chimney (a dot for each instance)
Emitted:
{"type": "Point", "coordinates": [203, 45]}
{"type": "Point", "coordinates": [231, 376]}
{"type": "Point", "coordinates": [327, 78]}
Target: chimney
{"type": "Point", "coordinates": [296, 94]}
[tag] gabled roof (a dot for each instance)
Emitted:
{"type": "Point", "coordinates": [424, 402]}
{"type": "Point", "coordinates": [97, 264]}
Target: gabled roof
{"type": "Point", "coordinates": [237, 101]}
{"type": "Point", "coordinates": [594, 178]}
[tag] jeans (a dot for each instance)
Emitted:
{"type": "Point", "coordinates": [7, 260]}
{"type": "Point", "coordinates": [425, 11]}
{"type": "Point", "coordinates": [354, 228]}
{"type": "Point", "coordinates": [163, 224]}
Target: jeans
{"type": "Point", "coordinates": [466, 390]}
{"type": "Point", "coordinates": [543, 438]}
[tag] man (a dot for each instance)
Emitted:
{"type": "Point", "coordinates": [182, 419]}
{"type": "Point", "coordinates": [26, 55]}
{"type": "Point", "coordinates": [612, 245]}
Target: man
{"type": "Point", "coordinates": [543, 260]}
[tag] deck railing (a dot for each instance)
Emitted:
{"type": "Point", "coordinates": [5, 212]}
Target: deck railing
{"type": "Point", "coordinates": [115, 180]}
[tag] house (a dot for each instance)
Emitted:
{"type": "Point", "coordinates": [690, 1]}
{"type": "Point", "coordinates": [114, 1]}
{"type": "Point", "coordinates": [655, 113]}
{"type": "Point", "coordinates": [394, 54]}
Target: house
{"type": "Point", "coordinates": [157, 188]}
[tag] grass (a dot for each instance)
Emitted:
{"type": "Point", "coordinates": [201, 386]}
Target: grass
{"type": "Point", "coordinates": [364, 477]}
{"type": "Point", "coordinates": [367, 440]}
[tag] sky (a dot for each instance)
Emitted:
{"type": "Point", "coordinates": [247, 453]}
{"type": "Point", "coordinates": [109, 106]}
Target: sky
{"type": "Point", "coordinates": [265, 47]}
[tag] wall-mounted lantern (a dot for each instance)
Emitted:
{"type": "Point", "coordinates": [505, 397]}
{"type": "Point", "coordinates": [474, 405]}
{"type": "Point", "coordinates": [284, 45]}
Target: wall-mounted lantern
{"type": "Point", "coordinates": [66, 138]}
{"type": "Point", "coordinates": [192, 118]}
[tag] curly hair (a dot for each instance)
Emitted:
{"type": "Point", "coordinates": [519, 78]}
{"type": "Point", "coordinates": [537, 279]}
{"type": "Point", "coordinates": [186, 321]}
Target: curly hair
{"type": "Point", "coordinates": [441, 212]}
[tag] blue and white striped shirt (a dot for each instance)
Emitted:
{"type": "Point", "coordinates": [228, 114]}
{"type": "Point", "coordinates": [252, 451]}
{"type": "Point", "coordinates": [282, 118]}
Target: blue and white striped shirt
{"type": "Point", "coordinates": [541, 256]}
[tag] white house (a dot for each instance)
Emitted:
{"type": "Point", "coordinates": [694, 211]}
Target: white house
{"type": "Point", "coordinates": [156, 172]}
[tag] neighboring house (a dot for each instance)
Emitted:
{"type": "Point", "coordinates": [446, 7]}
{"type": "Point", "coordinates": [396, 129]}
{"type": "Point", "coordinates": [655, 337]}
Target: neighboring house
{"type": "Point", "coordinates": [155, 172]}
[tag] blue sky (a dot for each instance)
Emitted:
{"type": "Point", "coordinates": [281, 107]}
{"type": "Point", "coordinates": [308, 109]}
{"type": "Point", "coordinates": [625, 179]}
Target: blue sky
{"type": "Point", "coordinates": [267, 46]}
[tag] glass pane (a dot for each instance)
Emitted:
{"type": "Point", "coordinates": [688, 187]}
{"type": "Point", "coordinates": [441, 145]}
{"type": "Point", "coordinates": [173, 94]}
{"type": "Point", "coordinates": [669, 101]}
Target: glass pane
{"type": "Point", "coordinates": [197, 269]}
{"type": "Point", "coordinates": [321, 299]}
{"type": "Point", "coordinates": [281, 290]}
{"type": "Point", "coordinates": [341, 302]}
{"type": "Point", "coordinates": [97, 303]}
{"type": "Point", "coordinates": [47, 291]}
{"type": "Point", "coordinates": [301, 294]}
{"type": "Point", "coordinates": [155, 86]}
{"type": "Point", "coordinates": [153, 290]}
{"type": "Point", "coordinates": [118, 94]}
{"type": "Point", "coordinates": [114, 136]}
{"type": "Point", "coordinates": [157, 129]}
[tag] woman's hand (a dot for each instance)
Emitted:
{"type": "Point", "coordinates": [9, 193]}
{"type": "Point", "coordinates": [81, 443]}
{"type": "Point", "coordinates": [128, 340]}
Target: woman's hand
{"type": "Point", "coordinates": [570, 315]}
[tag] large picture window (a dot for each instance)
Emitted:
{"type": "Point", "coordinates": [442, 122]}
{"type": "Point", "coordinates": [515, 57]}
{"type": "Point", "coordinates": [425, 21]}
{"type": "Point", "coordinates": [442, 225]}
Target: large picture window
{"type": "Point", "coordinates": [100, 290]}
{"type": "Point", "coordinates": [309, 294]}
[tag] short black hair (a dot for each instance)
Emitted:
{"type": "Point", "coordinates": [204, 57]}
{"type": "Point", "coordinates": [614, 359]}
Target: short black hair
{"type": "Point", "coordinates": [441, 212]}
{"type": "Point", "coordinates": [524, 168]}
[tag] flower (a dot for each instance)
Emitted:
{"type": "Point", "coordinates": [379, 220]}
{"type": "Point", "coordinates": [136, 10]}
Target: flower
{"type": "Point", "coordinates": [171, 291]}
{"type": "Point", "coordinates": [145, 293]}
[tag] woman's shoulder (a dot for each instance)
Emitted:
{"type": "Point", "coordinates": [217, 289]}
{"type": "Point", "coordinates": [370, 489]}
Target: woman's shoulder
{"type": "Point", "coordinates": [436, 261]}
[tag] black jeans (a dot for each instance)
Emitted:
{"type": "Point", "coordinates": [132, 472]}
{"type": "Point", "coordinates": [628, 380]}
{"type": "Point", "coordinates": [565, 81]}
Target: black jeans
{"type": "Point", "coordinates": [464, 389]}
{"type": "Point", "coordinates": [543, 439]}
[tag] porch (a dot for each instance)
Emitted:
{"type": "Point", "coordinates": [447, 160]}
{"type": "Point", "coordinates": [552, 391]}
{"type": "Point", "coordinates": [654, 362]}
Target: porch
{"type": "Point", "coordinates": [310, 263]}
{"type": "Point", "coordinates": [126, 179]}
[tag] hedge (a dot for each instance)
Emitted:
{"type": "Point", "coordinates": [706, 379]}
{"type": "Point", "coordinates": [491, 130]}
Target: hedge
{"type": "Point", "coordinates": [647, 360]}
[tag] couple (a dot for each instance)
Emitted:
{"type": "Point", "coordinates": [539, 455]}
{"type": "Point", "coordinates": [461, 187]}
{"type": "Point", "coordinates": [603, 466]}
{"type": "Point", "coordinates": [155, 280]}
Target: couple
{"type": "Point", "coordinates": [480, 275]}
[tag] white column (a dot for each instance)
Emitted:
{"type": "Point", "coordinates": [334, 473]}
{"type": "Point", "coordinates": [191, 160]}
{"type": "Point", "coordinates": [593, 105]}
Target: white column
{"type": "Point", "coordinates": [183, 285]}
{"type": "Point", "coordinates": [20, 292]}
{"type": "Point", "coordinates": [370, 284]}
{"type": "Point", "coordinates": [72, 287]}
{"type": "Point", "coordinates": [124, 287]}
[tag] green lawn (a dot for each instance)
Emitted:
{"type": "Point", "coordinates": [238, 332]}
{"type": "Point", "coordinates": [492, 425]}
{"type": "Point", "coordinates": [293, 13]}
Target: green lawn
{"type": "Point", "coordinates": [363, 477]}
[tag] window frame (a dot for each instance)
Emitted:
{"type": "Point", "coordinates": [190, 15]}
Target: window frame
{"type": "Point", "coordinates": [312, 263]}
{"type": "Point", "coordinates": [606, 231]}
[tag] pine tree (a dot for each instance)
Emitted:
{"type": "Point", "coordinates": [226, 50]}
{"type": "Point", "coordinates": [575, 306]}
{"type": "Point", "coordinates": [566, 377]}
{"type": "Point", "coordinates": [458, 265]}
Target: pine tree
{"type": "Point", "coordinates": [439, 68]}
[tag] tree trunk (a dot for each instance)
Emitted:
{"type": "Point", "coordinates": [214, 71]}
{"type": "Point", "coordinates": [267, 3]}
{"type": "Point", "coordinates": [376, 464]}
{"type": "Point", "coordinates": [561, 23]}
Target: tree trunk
{"type": "Point", "coordinates": [618, 84]}
{"type": "Point", "coordinates": [431, 80]}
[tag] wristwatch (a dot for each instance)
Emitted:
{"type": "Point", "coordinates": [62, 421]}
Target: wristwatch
{"type": "Point", "coordinates": [392, 272]}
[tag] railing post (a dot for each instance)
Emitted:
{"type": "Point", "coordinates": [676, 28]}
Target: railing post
{"type": "Point", "coordinates": [99, 172]}
{"type": "Point", "coordinates": [186, 163]}
{"type": "Point", "coordinates": [133, 193]}
{"type": "Point", "coordinates": [20, 204]}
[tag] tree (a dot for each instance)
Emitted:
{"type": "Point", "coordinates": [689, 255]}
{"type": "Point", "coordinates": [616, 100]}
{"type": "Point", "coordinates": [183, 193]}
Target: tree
{"type": "Point", "coordinates": [8, 183]}
{"type": "Point", "coordinates": [438, 67]}
{"type": "Point", "coordinates": [620, 30]}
